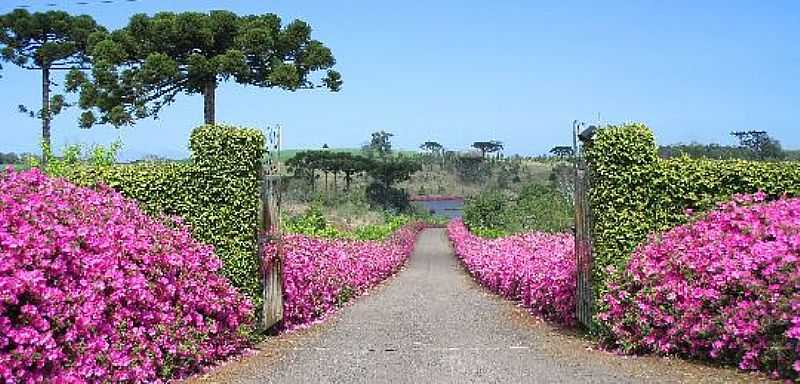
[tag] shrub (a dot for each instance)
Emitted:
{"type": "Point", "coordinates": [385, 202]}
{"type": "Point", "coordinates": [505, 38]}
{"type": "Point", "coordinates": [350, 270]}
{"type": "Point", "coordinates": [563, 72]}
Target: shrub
{"type": "Point", "coordinates": [321, 274]}
{"type": "Point", "coordinates": [634, 193]}
{"type": "Point", "coordinates": [536, 208]}
{"type": "Point", "coordinates": [725, 287]}
{"type": "Point", "coordinates": [538, 269]}
{"type": "Point", "coordinates": [216, 194]}
{"type": "Point", "coordinates": [487, 210]}
{"type": "Point", "coordinates": [94, 290]}
{"type": "Point", "coordinates": [313, 223]}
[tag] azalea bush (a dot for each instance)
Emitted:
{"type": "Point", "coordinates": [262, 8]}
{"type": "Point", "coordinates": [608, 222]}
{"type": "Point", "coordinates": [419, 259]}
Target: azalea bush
{"type": "Point", "coordinates": [94, 290]}
{"type": "Point", "coordinates": [538, 269]}
{"type": "Point", "coordinates": [635, 193]}
{"type": "Point", "coordinates": [725, 287]}
{"type": "Point", "coordinates": [322, 274]}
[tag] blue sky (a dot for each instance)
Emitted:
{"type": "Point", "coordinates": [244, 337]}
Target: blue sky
{"type": "Point", "coordinates": [461, 71]}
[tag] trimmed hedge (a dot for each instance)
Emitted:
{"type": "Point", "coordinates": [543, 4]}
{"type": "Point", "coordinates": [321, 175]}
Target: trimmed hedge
{"type": "Point", "coordinates": [635, 193]}
{"type": "Point", "coordinates": [217, 194]}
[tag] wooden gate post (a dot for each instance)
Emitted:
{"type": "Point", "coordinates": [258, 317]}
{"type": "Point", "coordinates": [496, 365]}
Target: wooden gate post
{"type": "Point", "coordinates": [270, 234]}
{"type": "Point", "coordinates": [272, 274]}
{"type": "Point", "coordinates": [583, 232]}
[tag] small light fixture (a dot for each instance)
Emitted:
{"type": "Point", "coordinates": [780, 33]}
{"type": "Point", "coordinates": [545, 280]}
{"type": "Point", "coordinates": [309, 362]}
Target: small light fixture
{"type": "Point", "coordinates": [587, 133]}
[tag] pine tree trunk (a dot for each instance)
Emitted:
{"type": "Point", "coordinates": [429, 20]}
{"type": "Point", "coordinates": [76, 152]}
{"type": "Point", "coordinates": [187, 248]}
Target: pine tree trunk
{"type": "Point", "coordinates": [45, 113]}
{"type": "Point", "coordinates": [209, 101]}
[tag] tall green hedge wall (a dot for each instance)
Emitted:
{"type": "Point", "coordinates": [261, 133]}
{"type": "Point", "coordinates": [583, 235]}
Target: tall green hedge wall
{"type": "Point", "coordinates": [634, 193]}
{"type": "Point", "coordinates": [216, 194]}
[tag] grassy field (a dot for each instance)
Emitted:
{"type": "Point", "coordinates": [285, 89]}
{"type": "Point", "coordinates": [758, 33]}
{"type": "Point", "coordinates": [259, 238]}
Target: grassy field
{"type": "Point", "coordinates": [438, 181]}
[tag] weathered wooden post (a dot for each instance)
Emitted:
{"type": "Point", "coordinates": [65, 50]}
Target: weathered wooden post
{"type": "Point", "coordinates": [270, 235]}
{"type": "Point", "coordinates": [583, 228]}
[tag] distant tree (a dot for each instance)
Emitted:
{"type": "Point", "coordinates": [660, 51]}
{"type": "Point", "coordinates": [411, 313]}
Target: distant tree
{"type": "Point", "coordinates": [562, 151]}
{"type": "Point", "coordinates": [472, 168]}
{"type": "Point", "coordinates": [353, 165]}
{"type": "Point", "coordinates": [325, 146]}
{"type": "Point", "coordinates": [705, 151]}
{"type": "Point", "coordinates": [485, 147]}
{"type": "Point", "coordinates": [45, 42]}
{"type": "Point", "coordinates": [760, 144]}
{"type": "Point", "coordinates": [153, 158]}
{"type": "Point", "coordinates": [304, 165]}
{"type": "Point", "coordinates": [142, 67]}
{"type": "Point", "coordinates": [432, 147]}
{"type": "Point", "coordinates": [379, 144]}
{"type": "Point", "coordinates": [386, 173]}
{"type": "Point", "coordinates": [10, 158]}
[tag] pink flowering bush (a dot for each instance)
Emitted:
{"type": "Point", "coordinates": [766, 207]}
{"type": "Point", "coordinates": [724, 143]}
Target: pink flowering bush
{"type": "Point", "coordinates": [725, 287]}
{"type": "Point", "coordinates": [93, 290]}
{"type": "Point", "coordinates": [322, 274]}
{"type": "Point", "coordinates": [538, 269]}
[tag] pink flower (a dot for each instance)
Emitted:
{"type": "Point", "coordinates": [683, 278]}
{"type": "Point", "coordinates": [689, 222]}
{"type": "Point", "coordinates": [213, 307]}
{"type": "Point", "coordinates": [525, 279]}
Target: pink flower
{"type": "Point", "coordinates": [729, 282]}
{"type": "Point", "coordinates": [320, 274]}
{"type": "Point", "coordinates": [538, 269]}
{"type": "Point", "coordinates": [92, 289]}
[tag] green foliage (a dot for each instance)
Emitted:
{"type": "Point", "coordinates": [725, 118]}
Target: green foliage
{"type": "Point", "coordinates": [760, 145]}
{"type": "Point", "coordinates": [380, 144]}
{"type": "Point", "coordinates": [536, 208]}
{"type": "Point", "coordinates": [46, 41]}
{"type": "Point", "coordinates": [380, 232]}
{"type": "Point", "coordinates": [305, 164]}
{"type": "Point", "coordinates": [11, 158]}
{"type": "Point", "coordinates": [313, 223]}
{"type": "Point", "coordinates": [472, 169]}
{"type": "Point", "coordinates": [489, 233]}
{"type": "Point", "coordinates": [98, 157]}
{"type": "Point", "coordinates": [562, 151]}
{"type": "Point", "coordinates": [386, 172]}
{"type": "Point", "coordinates": [432, 147]}
{"type": "Point", "coordinates": [634, 193]}
{"type": "Point", "coordinates": [144, 66]}
{"type": "Point", "coordinates": [541, 208]}
{"type": "Point", "coordinates": [753, 145]}
{"type": "Point", "coordinates": [488, 146]}
{"type": "Point", "coordinates": [216, 194]}
{"type": "Point", "coordinates": [488, 210]}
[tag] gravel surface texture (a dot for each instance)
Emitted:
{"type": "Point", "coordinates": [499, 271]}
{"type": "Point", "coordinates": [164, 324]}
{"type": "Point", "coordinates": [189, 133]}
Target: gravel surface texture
{"type": "Point", "coordinates": [433, 324]}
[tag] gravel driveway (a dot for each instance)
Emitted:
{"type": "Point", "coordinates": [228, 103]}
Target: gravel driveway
{"type": "Point", "coordinates": [433, 324]}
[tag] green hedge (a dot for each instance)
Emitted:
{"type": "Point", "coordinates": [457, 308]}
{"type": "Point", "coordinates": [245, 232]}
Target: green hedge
{"type": "Point", "coordinates": [216, 193]}
{"type": "Point", "coordinates": [635, 193]}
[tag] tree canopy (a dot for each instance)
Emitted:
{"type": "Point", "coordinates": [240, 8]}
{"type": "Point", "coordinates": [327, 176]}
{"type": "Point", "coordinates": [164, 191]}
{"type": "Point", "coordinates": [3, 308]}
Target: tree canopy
{"type": "Point", "coordinates": [761, 145]}
{"type": "Point", "coordinates": [488, 146]}
{"type": "Point", "coordinates": [46, 41]}
{"type": "Point", "coordinates": [432, 147]}
{"type": "Point", "coordinates": [144, 66]}
{"type": "Point", "coordinates": [380, 143]}
{"type": "Point", "coordinates": [562, 151]}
